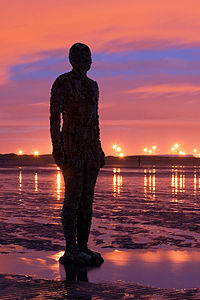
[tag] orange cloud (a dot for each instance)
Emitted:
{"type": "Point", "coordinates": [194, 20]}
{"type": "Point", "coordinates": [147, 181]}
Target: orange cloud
{"type": "Point", "coordinates": [28, 27]}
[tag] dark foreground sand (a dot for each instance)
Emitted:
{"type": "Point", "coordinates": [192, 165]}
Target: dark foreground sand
{"type": "Point", "coordinates": [26, 287]}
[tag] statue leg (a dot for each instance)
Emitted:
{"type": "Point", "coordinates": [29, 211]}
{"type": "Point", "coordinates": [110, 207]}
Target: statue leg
{"type": "Point", "coordinates": [84, 216]}
{"type": "Point", "coordinates": [73, 191]}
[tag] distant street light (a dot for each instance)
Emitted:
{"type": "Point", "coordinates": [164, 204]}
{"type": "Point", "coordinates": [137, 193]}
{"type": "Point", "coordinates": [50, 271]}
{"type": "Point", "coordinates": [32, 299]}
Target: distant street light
{"type": "Point", "coordinates": [20, 152]}
{"type": "Point", "coordinates": [182, 153]}
{"type": "Point", "coordinates": [175, 148]}
{"type": "Point", "coordinates": [118, 149]}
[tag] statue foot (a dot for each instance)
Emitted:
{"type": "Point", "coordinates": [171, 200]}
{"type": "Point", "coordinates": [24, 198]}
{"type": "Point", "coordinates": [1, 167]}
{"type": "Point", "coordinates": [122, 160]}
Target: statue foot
{"type": "Point", "coordinates": [96, 258]}
{"type": "Point", "coordinates": [73, 255]}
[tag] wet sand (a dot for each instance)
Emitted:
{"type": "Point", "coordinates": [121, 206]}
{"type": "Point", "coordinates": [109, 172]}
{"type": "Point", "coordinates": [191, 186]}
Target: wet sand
{"type": "Point", "coordinates": [26, 287]}
{"type": "Point", "coordinates": [146, 223]}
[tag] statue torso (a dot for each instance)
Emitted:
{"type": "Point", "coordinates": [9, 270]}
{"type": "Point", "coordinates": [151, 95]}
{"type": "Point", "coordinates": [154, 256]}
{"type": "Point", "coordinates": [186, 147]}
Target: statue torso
{"type": "Point", "coordinates": [79, 108]}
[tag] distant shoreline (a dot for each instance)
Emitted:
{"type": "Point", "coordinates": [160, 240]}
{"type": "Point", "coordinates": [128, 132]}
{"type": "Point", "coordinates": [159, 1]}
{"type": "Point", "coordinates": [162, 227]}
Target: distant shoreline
{"type": "Point", "coordinates": [8, 160]}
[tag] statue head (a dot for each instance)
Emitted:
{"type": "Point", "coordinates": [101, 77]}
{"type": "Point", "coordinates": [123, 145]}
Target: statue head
{"type": "Point", "coordinates": [80, 57]}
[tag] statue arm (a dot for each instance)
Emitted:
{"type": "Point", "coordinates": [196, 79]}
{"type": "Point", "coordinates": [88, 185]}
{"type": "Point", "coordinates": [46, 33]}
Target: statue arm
{"type": "Point", "coordinates": [55, 123]}
{"type": "Point", "coordinates": [102, 155]}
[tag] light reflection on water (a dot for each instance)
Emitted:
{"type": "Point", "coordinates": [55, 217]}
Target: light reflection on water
{"type": "Point", "coordinates": [58, 184]}
{"type": "Point", "coordinates": [179, 176]}
{"type": "Point", "coordinates": [195, 182]}
{"type": "Point", "coordinates": [20, 181]}
{"type": "Point", "coordinates": [150, 183]}
{"type": "Point", "coordinates": [117, 182]}
{"type": "Point", "coordinates": [177, 183]}
{"type": "Point", "coordinates": [122, 258]}
{"type": "Point", "coordinates": [36, 182]}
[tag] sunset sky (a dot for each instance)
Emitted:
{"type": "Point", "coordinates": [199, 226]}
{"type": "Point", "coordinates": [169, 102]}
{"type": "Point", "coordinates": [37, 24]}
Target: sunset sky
{"type": "Point", "coordinates": [146, 60]}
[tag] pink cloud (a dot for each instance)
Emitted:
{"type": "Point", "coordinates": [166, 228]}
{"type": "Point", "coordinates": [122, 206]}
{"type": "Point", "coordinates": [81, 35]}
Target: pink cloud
{"type": "Point", "coordinates": [167, 88]}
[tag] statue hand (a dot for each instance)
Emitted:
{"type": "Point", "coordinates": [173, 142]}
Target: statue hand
{"type": "Point", "coordinates": [59, 158]}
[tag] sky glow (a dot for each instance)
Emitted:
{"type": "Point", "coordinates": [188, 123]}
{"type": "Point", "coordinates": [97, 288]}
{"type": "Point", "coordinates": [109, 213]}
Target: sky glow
{"type": "Point", "coordinates": [146, 60]}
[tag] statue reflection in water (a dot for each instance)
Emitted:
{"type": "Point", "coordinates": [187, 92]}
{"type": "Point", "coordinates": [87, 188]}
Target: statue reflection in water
{"type": "Point", "coordinates": [76, 273]}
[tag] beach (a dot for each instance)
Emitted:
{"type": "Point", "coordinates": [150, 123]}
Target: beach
{"type": "Point", "coordinates": [146, 224]}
